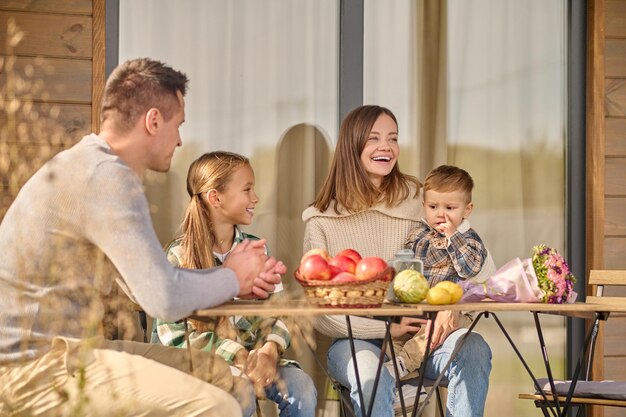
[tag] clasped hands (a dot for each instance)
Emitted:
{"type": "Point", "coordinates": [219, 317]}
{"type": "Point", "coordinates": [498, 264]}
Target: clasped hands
{"type": "Point", "coordinates": [260, 365]}
{"type": "Point", "coordinates": [445, 323]}
{"type": "Point", "coordinates": [256, 272]}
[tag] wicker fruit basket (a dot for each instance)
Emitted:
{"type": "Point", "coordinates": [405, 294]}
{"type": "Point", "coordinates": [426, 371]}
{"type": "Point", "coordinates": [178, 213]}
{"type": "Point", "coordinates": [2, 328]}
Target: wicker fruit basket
{"type": "Point", "coordinates": [359, 294]}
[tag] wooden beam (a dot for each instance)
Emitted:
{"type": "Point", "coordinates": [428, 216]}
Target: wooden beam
{"type": "Point", "coordinates": [99, 61]}
{"type": "Point", "coordinates": [595, 161]}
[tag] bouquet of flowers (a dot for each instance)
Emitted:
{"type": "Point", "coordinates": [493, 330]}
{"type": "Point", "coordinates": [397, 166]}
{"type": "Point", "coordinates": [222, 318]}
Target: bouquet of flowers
{"type": "Point", "coordinates": [545, 278]}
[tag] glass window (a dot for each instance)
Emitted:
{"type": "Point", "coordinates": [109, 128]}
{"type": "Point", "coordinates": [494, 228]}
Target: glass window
{"type": "Point", "coordinates": [482, 85]}
{"type": "Point", "coordinates": [263, 83]}
{"type": "Point", "coordinates": [475, 83]}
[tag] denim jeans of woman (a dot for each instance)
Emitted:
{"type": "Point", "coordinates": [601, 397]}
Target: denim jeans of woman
{"type": "Point", "coordinates": [468, 374]}
{"type": "Point", "coordinates": [300, 399]}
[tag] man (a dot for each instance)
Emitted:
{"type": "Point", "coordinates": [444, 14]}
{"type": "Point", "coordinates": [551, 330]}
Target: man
{"type": "Point", "coordinates": [78, 224]}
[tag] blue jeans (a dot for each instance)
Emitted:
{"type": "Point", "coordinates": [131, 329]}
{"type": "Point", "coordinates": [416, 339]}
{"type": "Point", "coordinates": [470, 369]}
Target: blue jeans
{"type": "Point", "coordinates": [300, 399]}
{"type": "Point", "coordinates": [468, 374]}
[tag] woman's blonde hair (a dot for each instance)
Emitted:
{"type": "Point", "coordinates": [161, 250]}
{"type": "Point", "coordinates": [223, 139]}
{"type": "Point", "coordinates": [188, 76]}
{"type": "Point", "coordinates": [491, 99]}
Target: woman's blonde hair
{"type": "Point", "coordinates": [212, 170]}
{"type": "Point", "coordinates": [347, 182]}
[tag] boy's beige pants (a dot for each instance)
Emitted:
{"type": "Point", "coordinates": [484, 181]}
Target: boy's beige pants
{"type": "Point", "coordinates": [117, 378]}
{"type": "Point", "coordinates": [414, 349]}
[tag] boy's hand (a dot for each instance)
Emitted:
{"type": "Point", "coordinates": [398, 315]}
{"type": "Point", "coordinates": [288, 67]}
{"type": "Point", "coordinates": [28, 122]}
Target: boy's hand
{"type": "Point", "coordinates": [447, 228]}
{"type": "Point", "coordinates": [445, 323]}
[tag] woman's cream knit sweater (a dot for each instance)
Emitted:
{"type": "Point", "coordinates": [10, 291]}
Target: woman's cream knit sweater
{"type": "Point", "coordinates": [379, 231]}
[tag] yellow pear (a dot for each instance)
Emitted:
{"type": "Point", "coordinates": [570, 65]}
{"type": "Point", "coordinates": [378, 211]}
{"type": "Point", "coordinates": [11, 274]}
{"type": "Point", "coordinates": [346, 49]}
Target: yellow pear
{"type": "Point", "coordinates": [438, 295]}
{"type": "Point", "coordinates": [455, 290]}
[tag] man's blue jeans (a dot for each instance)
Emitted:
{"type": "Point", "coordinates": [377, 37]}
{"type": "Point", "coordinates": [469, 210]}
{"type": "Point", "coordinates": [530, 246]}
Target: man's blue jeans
{"type": "Point", "coordinates": [468, 374]}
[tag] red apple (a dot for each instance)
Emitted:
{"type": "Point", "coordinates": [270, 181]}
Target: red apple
{"type": "Point", "coordinates": [334, 270]}
{"type": "Point", "coordinates": [370, 267]}
{"type": "Point", "coordinates": [343, 263]}
{"type": "Point", "coordinates": [314, 268]}
{"type": "Point", "coordinates": [344, 277]}
{"type": "Point", "coordinates": [350, 253]}
{"type": "Point", "coordinates": [316, 251]}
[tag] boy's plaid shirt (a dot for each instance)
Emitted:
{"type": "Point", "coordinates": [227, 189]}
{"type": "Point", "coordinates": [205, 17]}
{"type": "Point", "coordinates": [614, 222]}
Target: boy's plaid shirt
{"type": "Point", "coordinates": [459, 257]}
{"type": "Point", "coordinates": [251, 331]}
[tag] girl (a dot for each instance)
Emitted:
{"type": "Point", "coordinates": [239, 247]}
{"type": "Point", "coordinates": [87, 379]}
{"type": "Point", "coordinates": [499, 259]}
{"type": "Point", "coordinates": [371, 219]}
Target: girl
{"type": "Point", "coordinates": [221, 187]}
{"type": "Point", "coordinates": [368, 204]}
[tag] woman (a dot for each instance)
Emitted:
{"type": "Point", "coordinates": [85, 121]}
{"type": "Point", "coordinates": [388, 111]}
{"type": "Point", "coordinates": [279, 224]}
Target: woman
{"type": "Point", "coordinates": [368, 204]}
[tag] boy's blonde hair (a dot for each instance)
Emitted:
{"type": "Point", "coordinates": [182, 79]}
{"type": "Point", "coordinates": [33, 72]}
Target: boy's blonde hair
{"type": "Point", "coordinates": [448, 178]}
{"type": "Point", "coordinates": [212, 170]}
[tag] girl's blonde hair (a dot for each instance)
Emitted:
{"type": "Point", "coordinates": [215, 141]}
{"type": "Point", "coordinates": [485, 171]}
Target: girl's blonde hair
{"type": "Point", "coordinates": [347, 182]}
{"type": "Point", "coordinates": [212, 170]}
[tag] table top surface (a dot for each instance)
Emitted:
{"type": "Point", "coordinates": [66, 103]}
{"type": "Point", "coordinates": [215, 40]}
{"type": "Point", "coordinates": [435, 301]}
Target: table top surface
{"type": "Point", "coordinates": [301, 307]}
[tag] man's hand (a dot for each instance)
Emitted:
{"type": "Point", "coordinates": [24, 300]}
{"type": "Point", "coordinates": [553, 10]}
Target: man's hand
{"type": "Point", "coordinates": [445, 323]}
{"type": "Point", "coordinates": [406, 325]}
{"type": "Point", "coordinates": [261, 366]}
{"type": "Point", "coordinates": [247, 260]}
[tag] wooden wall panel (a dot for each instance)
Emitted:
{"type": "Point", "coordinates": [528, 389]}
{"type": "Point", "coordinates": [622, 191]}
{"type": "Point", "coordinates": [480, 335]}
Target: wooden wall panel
{"type": "Point", "coordinates": [615, 369]}
{"type": "Point", "coordinates": [615, 176]}
{"type": "Point", "coordinates": [615, 18]}
{"type": "Point", "coordinates": [615, 137]}
{"type": "Point", "coordinates": [612, 412]}
{"type": "Point", "coordinates": [614, 336]}
{"type": "Point", "coordinates": [49, 34]}
{"type": "Point", "coordinates": [612, 344]}
{"type": "Point", "coordinates": [616, 97]}
{"type": "Point", "coordinates": [31, 157]}
{"type": "Point", "coordinates": [615, 248]}
{"type": "Point", "coordinates": [57, 73]}
{"type": "Point", "coordinates": [615, 60]}
{"type": "Point", "coordinates": [50, 6]}
{"type": "Point", "coordinates": [615, 221]}
{"type": "Point", "coordinates": [73, 119]}
{"type": "Point", "coordinates": [64, 80]}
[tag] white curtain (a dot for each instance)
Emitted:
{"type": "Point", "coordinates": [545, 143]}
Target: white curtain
{"type": "Point", "coordinates": [507, 118]}
{"type": "Point", "coordinates": [257, 69]}
{"type": "Point", "coordinates": [481, 84]}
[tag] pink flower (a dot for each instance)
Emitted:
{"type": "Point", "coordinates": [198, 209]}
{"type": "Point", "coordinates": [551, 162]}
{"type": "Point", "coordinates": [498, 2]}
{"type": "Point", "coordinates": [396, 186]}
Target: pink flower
{"type": "Point", "coordinates": [553, 273]}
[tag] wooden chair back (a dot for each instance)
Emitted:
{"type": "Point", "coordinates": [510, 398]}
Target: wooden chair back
{"type": "Point", "coordinates": [602, 281]}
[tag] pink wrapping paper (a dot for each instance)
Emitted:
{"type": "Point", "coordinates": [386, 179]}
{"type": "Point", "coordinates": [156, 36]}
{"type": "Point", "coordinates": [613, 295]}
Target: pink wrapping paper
{"type": "Point", "coordinates": [514, 282]}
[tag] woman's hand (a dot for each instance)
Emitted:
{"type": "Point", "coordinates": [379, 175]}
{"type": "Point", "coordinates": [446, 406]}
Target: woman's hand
{"type": "Point", "coordinates": [261, 366]}
{"type": "Point", "coordinates": [406, 325]}
{"type": "Point", "coordinates": [445, 323]}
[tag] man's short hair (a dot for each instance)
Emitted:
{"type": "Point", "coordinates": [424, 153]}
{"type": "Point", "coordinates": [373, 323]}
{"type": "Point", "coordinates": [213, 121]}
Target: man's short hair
{"type": "Point", "coordinates": [448, 178]}
{"type": "Point", "coordinates": [138, 85]}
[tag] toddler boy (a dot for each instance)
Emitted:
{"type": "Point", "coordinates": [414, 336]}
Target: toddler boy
{"type": "Point", "coordinates": [445, 242]}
